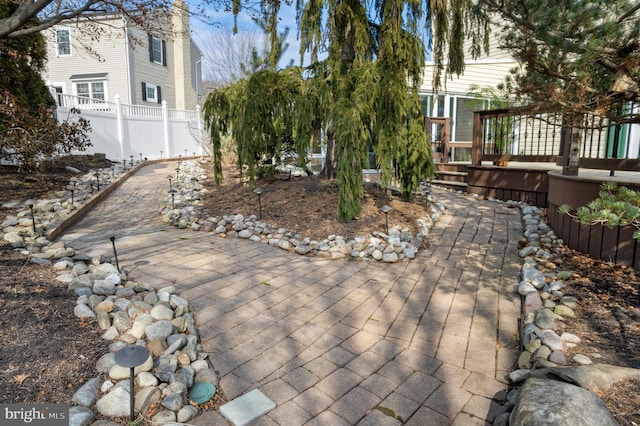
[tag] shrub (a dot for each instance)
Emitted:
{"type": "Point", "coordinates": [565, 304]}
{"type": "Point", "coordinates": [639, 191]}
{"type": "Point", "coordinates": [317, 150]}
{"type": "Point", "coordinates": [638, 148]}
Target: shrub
{"type": "Point", "coordinates": [616, 206]}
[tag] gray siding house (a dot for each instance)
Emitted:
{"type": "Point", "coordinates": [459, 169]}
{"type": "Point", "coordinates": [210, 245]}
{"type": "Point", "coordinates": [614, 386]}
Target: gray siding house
{"type": "Point", "coordinates": [124, 60]}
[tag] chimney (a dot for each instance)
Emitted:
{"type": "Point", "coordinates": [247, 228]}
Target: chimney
{"type": "Point", "coordinates": [186, 97]}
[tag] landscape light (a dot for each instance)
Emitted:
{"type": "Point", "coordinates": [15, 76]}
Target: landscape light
{"type": "Point", "coordinates": [386, 209]}
{"type": "Point", "coordinates": [259, 192]}
{"type": "Point", "coordinates": [130, 357]}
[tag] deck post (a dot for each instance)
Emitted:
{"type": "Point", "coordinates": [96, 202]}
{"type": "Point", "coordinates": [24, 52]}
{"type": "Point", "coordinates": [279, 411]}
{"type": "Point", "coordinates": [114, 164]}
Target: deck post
{"type": "Point", "coordinates": [476, 144]}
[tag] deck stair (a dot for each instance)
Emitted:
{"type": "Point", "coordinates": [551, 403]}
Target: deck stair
{"type": "Point", "coordinates": [451, 175]}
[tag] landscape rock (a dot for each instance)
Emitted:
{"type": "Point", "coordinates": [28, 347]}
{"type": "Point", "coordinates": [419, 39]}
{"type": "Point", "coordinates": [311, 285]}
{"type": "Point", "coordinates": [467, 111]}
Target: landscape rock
{"type": "Point", "coordinates": [544, 402]}
{"type": "Point", "coordinates": [115, 403]}
{"type": "Point", "coordinates": [87, 392]}
{"type": "Point", "coordinates": [81, 416]}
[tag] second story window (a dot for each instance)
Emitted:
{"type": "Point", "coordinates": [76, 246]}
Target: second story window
{"type": "Point", "coordinates": [63, 41]}
{"type": "Point", "coordinates": [157, 50]}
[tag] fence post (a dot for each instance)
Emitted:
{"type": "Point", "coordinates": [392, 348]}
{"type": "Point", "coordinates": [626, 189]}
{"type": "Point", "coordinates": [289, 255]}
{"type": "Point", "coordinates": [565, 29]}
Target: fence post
{"type": "Point", "coordinates": [120, 124]}
{"type": "Point", "coordinates": [165, 123]}
{"type": "Point", "coordinates": [200, 129]}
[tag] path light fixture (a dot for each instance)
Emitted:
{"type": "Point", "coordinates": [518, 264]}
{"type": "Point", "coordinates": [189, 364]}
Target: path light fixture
{"type": "Point", "coordinates": [259, 192]}
{"type": "Point", "coordinates": [130, 357]}
{"type": "Point", "coordinates": [33, 218]}
{"type": "Point", "coordinates": [169, 177]}
{"type": "Point", "coordinates": [98, 181]}
{"type": "Point", "coordinates": [141, 157]}
{"type": "Point", "coordinates": [113, 172]}
{"type": "Point", "coordinates": [386, 209]}
{"type": "Point", "coordinates": [177, 170]}
{"type": "Point", "coordinates": [161, 154]}
{"type": "Point", "coordinates": [427, 194]}
{"type": "Point", "coordinates": [115, 253]}
{"type": "Point", "coordinates": [72, 191]}
{"type": "Point", "coordinates": [173, 192]}
{"type": "Point", "coordinates": [185, 153]}
{"type": "Point", "coordinates": [194, 155]}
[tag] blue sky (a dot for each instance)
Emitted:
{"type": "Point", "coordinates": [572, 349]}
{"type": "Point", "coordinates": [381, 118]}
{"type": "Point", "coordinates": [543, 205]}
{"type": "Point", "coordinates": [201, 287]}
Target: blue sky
{"type": "Point", "coordinates": [287, 15]}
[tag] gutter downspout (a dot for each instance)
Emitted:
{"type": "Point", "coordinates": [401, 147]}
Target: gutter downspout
{"type": "Point", "coordinates": [128, 64]}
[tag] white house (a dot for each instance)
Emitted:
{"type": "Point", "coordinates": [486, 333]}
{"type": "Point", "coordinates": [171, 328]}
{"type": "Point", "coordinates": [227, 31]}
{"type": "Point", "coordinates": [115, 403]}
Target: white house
{"type": "Point", "coordinates": [124, 60]}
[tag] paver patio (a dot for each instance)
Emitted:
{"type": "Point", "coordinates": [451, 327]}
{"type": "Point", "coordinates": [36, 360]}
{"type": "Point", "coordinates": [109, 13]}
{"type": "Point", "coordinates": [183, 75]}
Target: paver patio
{"type": "Point", "coordinates": [329, 341]}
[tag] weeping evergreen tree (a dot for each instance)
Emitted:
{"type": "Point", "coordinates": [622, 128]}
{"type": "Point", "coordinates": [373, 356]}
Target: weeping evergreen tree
{"type": "Point", "coordinates": [362, 94]}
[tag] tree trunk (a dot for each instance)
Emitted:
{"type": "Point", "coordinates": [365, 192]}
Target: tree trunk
{"type": "Point", "coordinates": [331, 160]}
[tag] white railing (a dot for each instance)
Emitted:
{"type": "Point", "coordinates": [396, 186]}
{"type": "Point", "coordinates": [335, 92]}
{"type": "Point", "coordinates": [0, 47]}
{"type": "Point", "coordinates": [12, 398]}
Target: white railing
{"type": "Point", "coordinates": [120, 130]}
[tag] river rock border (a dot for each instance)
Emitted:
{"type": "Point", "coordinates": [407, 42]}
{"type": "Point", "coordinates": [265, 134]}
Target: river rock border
{"type": "Point", "coordinates": [549, 381]}
{"type": "Point", "coordinates": [185, 210]}
{"type": "Point", "coordinates": [126, 312]}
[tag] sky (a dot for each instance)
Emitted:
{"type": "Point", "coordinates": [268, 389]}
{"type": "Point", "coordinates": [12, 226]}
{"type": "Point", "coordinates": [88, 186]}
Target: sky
{"type": "Point", "coordinates": [287, 16]}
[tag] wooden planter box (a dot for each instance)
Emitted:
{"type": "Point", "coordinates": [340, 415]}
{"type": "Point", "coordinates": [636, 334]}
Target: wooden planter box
{"type": "Point", "coordinates": [614, 245]}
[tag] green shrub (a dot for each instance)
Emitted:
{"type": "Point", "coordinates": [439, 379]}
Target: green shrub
{"type": "Point", "coordinates": [616, 206]}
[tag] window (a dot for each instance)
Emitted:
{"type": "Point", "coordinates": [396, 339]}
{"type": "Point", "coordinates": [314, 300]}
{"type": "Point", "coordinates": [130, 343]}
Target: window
{"type": "Point", "coordinates": [92, 89]}
{"type": "Point", "coordinates": [464, 118]}
{"type": "Point", "coordinates": [151, 93]}
{"type": "Point", "coordinates": [63, 41]}
{"type": "Point", "coordinates": [157, 50]}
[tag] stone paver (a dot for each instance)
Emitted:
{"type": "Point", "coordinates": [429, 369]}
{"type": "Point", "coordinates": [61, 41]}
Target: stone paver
{"type": "Point", "coordinates": [241, 411]}
{"type": "Point", "coordinates": [328, 341]}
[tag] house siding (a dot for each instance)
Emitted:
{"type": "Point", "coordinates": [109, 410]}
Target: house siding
{"type": "Point", "coordinates": [108, 56]}
{"type": "Point", "coordinates": [480, 73]}
{"type": "Point", "coordinates": [487, 70]}
{"type": "Point", "coordinates": [143, 70]}
{"type": "Point", "coordinates": [122, 51]}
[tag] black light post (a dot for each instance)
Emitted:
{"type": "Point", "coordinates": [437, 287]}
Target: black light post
{"type": "Point", "coordinates": [194, 155]}
{"type": "Point", "coordinates": [386, 209]}
{"type": "Point", "coordinates": [427, 194]}
{"type": "Point", "coordinates": [169, 177]}
{"type": "Point", "coordinates": [185, 153]}
{"type": "Point", "coordinates": [115, 253]}
{"type": "Point", "coordinates": [259, 192]}
{"type": "Point", "coordinates": [72, 196]}
{"type": "Point", "coordinates": [113, 172]}
{"type": "Point", "coordinates": [33, 218]}
{"type": "Point", "coordinates": [131, 356]}
{"type": "Point", "coordinates": [161, 154]}
{"type": "Point", "coordinates": [173, 192]}
{"type": "Point", "coordinates": [177, 170]}
{"type": "Point", "coordinates": [140, 157]}
{"type": "Point", "coordinates": [98, 181]}
{"type": "Point", "coordinates": [131, 156]}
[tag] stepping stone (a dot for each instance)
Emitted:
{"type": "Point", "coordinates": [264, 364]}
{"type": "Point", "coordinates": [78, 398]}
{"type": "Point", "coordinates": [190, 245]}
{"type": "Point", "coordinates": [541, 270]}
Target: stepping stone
{"type": "Point", "coordinates": [248, 407]}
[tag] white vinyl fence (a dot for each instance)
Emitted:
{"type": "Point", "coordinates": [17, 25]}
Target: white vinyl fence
{"type": "Point", "coordinates": [120, 131]}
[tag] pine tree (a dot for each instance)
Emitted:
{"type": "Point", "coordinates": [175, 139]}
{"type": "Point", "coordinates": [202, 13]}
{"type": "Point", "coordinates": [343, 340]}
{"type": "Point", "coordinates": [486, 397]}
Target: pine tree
{"type": "Point", "coordinates": [576, 56]}
{"type": "Point", "coordinates": [22, 60]}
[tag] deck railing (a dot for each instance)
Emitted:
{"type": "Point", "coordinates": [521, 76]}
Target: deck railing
{"type": "Point", "coordinates": [518, 135]}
